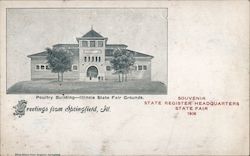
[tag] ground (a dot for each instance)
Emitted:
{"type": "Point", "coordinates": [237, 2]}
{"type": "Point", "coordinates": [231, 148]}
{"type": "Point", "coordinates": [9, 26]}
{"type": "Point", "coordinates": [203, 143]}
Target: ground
{"type": "Point", "coordinates": [79, 87]}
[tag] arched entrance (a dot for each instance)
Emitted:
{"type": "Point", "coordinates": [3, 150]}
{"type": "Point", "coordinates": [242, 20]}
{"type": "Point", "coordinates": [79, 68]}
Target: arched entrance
{"type": "Point", "coordinates": [92, 72]}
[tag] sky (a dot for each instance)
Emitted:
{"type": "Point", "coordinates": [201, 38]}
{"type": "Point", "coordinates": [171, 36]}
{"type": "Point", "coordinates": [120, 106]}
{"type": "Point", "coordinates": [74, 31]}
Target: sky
{"type": "Point", "coordinates": [30, 31]}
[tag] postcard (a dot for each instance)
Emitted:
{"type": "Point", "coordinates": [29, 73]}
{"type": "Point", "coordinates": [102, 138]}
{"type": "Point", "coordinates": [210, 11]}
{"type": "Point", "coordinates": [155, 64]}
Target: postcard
{"type": "Point", "coordinates": [124, 78]}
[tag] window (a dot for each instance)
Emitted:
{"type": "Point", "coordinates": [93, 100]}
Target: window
{"type": "Point", "coordinates": [85, 59]}
{"type": "Point", "coordinates": [108, 68]}
{"type": "Point", "coordinates": [84, 43]}
{"type": "Point", "coordinates": [42, 67]}
{"type": "Point", "coordinates": [135, 67]}
{"type": "Point", "coordinates": [74, 67]}
{"type": "Point", "coordinates": [96, 58]}
{"type": "Point", "coordinates": [93, 58]}
{"type": "Point", "coordinates": [100, 43]}
{"type": "Point", "coordinates": [139, 67]}
{"type": "Point", "coordinates": [89, 59]}
{"type": "Point", "coordinates": [99, 59]}
{"type": "Point", "coordinates": [92, 43]}
{"type": "Point", "coordinates": [144, 67]}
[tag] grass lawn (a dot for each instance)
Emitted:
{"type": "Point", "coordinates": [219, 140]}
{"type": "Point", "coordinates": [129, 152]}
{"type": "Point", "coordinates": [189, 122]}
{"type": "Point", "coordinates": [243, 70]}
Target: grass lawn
{"type": "Point", "coordinates": [79, 87]}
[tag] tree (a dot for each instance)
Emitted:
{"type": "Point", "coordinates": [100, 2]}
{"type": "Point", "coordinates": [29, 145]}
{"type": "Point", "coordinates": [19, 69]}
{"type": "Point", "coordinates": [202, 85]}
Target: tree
{"type": "Point", "coordinates": [59, 60]}
{"type": "Point", "coordinates": [122, 63]}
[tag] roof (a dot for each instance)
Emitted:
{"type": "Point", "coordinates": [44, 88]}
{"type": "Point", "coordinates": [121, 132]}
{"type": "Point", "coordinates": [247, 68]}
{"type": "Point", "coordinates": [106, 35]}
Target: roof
{"type": "Point", "coordinates": [69, 46]}
{"type": "Point", "coordinates": [116, 45]}
{"type": "Point", "coordinates": [92, 33]}
{"type": "Point", "coordinates": [138, 54]}
{"type": "Point", "coordinates": [45, 53]}
{"type": "Point", "coordinates": [74, 46]}
{"type": "Point", "coordinates": [108, 53]}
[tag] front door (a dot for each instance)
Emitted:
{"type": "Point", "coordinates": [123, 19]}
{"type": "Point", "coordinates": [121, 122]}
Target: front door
{"type": "Point", "coordinates": [92, 73]}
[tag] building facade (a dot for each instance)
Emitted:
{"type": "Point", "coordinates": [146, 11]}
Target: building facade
{"type": "Point", "coordinates": [91, 61]}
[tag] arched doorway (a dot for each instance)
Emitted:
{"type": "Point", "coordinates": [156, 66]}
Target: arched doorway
{"type": "Point", "coordinates": [92, 72]}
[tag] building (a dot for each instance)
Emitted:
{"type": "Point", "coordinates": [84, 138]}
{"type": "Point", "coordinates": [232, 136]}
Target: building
{"type": "Point", "coordinates": [91, 61]}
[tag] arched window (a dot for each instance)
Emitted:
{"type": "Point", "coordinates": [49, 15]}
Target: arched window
{"type": "Point", "coordinates": [93, 59]}
{"type": "Point", "coordinates": [89, 59]}
{"type": "Point", "coordinates": [99, 59]}
{"type": "Point", "coordinates": [85, 59]}
{"type": "Point", "coordinates": [96, 59]}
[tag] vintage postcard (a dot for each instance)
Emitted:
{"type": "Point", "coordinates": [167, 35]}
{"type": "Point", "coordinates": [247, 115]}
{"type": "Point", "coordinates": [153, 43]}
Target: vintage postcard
{"type": "Point", "coordinates": [124, 78]}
